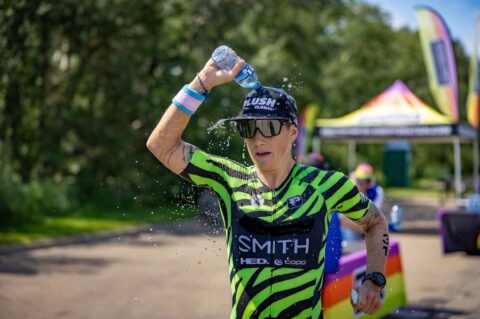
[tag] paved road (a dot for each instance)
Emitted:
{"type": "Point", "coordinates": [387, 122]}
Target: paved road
{"type": "Point", "coordinates": [161, 274]}
{"type": "Point", "coordinates": [181, 270]}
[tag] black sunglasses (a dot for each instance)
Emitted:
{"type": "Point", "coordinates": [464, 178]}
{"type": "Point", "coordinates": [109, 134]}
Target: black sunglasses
{"type": "Point", "coordinates": [268, 128]}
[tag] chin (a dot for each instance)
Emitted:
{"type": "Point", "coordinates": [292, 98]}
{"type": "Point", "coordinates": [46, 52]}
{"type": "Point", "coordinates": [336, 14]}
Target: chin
{"type": "Point", "coordinates": [263, 165]}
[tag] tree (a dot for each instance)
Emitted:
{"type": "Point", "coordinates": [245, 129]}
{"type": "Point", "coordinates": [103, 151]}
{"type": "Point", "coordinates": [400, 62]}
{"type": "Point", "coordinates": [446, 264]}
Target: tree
{"type": "Point", "coordinates": [84, 82]}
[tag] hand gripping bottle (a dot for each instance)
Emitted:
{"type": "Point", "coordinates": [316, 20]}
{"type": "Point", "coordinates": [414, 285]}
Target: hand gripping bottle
{"type": "Point", "coordinates": [225, 58]}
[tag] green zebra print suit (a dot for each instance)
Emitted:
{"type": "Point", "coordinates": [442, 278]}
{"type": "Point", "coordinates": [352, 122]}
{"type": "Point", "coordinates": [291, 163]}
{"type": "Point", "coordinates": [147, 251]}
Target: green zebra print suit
{"type": "Point", "coordinates": [276, 237]}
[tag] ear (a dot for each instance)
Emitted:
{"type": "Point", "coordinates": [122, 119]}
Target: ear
{"type": "Point", "coordinates": [293, 132]}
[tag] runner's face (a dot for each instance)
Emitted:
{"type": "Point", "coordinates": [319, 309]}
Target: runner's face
{"type": "Point", "coordinates": [271, 153]}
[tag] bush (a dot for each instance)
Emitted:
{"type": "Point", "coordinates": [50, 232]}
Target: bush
{"type": "Point", "coordinates": [20, 202]}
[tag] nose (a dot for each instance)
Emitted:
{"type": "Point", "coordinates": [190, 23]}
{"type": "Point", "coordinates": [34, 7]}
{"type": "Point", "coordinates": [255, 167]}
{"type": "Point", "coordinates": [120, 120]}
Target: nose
{"type": "Point", "coordinates": [258, 135]}
{"type": "Point", "coordinates": [258, 138]}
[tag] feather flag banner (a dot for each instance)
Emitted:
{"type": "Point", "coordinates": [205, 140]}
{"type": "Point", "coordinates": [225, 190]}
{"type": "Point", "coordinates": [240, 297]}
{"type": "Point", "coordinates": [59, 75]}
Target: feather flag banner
{"type": "Point", "coordinates": [439, 59]}
{"type": "Point", "coordinates": [473, 89]}
{"type": "Point", "coordinates": [306, 124]}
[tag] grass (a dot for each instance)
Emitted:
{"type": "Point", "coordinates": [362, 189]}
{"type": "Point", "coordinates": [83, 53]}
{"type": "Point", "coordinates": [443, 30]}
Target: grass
{"type": "Point", "coordinates": [90, 219]}
{"type": "Point", "coordinates": [95, 218]}
{"type": "Point", "coordinates": [411, 192]}
{"type": "Point", "coordinates": [425, 188]}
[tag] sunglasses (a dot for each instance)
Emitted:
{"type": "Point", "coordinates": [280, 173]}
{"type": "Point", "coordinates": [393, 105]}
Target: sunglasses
{"type": "Point", "coordinates": [268, 128]}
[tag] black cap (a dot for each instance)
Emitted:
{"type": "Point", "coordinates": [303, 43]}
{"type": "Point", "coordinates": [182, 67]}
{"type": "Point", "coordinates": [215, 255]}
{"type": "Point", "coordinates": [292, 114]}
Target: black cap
{"type": "Point", "coordinates": [268, 103]}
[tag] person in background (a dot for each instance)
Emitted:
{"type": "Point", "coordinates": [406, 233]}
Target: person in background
{"type": "Point", "coordinates": [315, 159]}
{"type": "Point", "coordinates": [365, 181]}
{"type": "Point", "coordinates": [364, 178]}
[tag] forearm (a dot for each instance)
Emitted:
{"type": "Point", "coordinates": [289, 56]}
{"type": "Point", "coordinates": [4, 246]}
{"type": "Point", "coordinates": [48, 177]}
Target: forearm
{"type": "Point", "coordinates": [165, 140]}
{"type": "Point", "coordinates": [376, 242]}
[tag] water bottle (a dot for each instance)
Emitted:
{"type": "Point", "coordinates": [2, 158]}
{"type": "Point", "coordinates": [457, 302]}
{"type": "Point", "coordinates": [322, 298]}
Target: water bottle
{"type": "Point", "coordinates": [396, 215]}
{"type": "Point", "coordinates": [225, 58]}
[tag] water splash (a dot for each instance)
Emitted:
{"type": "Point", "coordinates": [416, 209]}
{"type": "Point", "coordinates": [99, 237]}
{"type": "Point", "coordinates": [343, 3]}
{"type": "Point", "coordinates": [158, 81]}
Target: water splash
{"type": "Point", "coordinates": [244, 150]}
{"type": "Point", "coordinates": [293, 83]}
{"type": "Point", "coordinates": [215, 126]}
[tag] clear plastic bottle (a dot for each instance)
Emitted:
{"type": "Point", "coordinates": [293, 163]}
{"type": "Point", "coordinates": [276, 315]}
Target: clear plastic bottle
{"type": "Point", "coordinates": [396, 216]}
{"type": "Point", "coordinates": [225, 58]}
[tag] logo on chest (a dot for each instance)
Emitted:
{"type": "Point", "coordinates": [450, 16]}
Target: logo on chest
{"type": "Point", "coordinates": [257, 200]}
{"type": "Point", "coordinates": [294, 202]}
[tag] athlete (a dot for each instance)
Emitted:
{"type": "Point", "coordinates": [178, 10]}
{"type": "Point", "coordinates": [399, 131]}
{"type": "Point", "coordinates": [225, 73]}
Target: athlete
{"type": "Point", "coordinates": [276, 213]}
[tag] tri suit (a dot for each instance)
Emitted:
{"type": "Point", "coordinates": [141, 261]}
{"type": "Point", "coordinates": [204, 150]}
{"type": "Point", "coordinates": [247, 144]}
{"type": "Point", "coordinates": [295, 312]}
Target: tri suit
{"type": "Point", "coordinates": [276, 237]}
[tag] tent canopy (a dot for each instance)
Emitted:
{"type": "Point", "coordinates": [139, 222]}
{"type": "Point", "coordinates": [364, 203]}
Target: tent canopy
{"type": "Point", "coordinates": [395, 113]}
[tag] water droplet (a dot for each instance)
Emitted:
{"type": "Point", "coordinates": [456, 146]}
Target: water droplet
{"type": "Point", "coordinates": [215, 126]}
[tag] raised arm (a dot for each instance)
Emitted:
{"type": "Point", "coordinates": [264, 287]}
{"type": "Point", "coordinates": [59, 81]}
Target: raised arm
{"type": "Point", "coordinates": [376, 241]}
{"type": "Point", "coordinates": [165, 142]}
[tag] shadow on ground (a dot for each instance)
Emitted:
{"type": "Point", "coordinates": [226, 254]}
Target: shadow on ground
{"type": "Point", "coordinates": [427, 231]}
{"type": "Point", "coordinates": [22, 261]}
{"type": "Point", "coordinates": [424, 312]}
{"type": "Point", "coordinates": [26, 264]}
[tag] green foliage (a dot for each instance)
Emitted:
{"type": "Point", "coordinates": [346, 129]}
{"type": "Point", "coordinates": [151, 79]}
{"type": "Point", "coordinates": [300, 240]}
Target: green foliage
{"type": "Point", "coordinates": [88, 219]}
{"type": "Point", "coordinates": [84, 82]}
{"type": "Point", "coordinates": [24, 201]}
